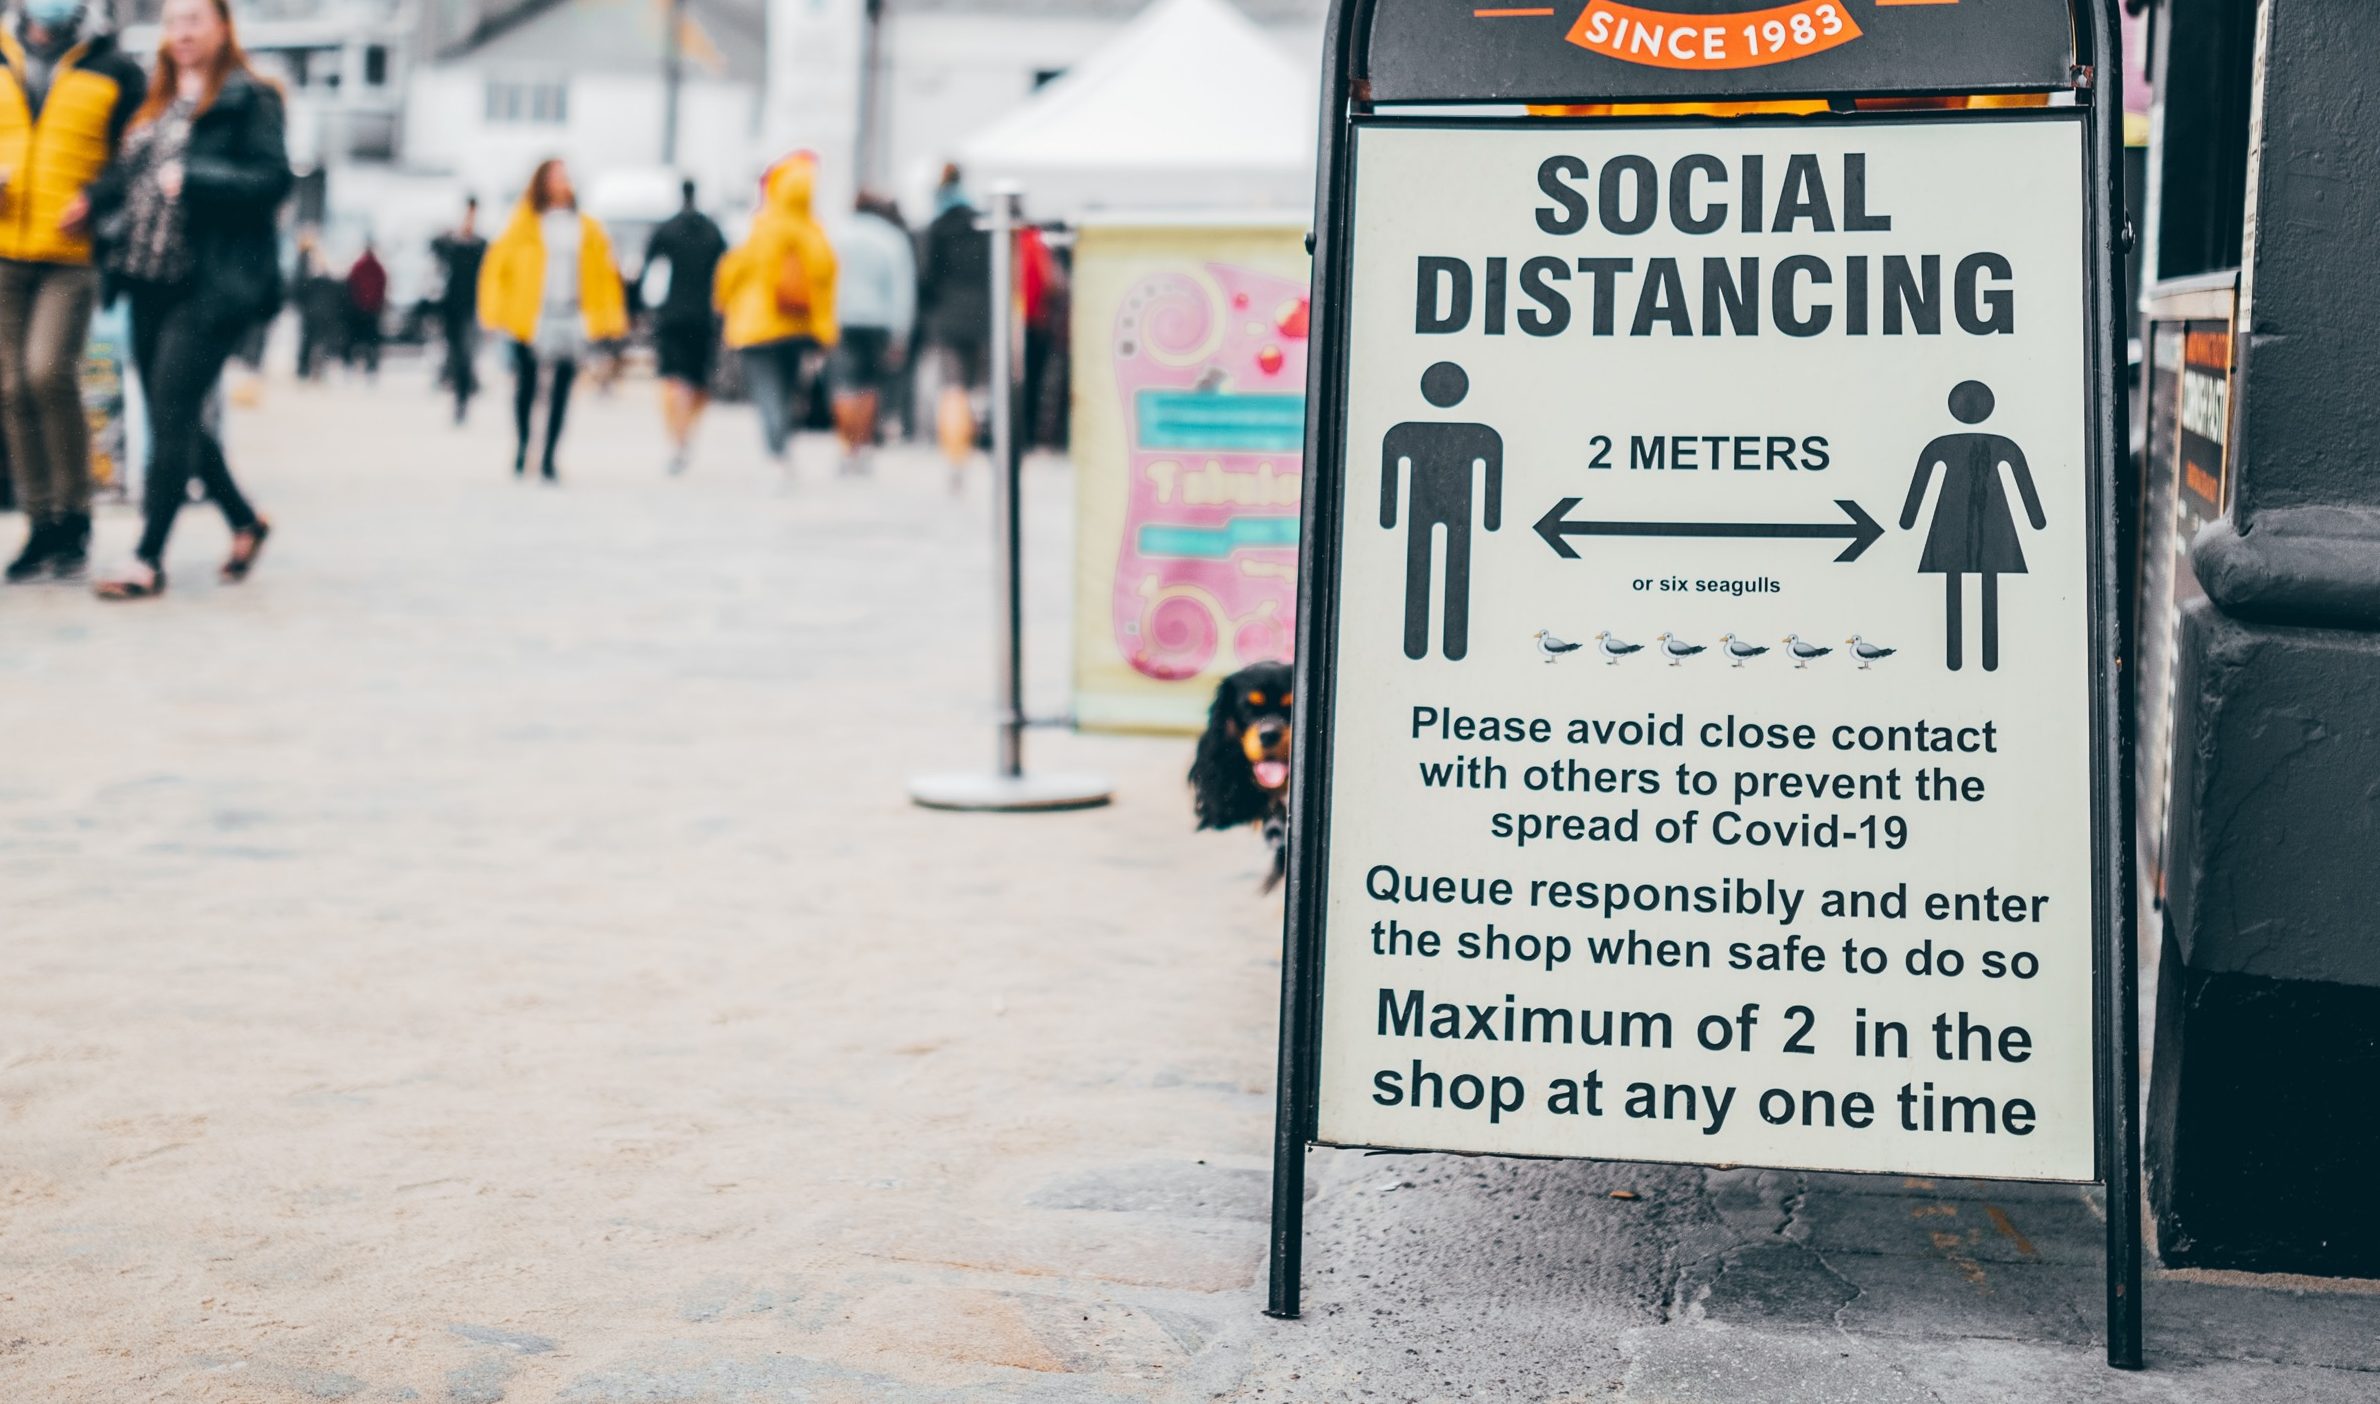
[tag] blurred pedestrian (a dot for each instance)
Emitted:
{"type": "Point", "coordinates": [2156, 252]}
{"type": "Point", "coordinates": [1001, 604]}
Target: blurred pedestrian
{"type": "Point", "coordinates": [778, 291]}
{"type": "Point", "coordinates": [875, 302]}
{"type": "Point", "coordinates": [367, 302]}
{"type": "Point", "coordinates": [321, 308]}
{"type": "Point", "coordinates": [899, 400]}
{"type": "Point", "coordinates": [549, 284]}
{"type": "Point", "coordinates": [459, 254]}
{"type": "Point", "coordinates": [955, 295]}
{"type": "Point", "coordinates": [66, 95]}
{"type": "Point", "coordinates": [1043, 296]}
{"type": "Point", "coordinates": [687, 248]}
{"type": "Point", "coordinates": [188, 210]}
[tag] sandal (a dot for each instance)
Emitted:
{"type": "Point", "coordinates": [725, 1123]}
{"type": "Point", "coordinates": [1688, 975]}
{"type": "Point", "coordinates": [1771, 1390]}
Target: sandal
{"type": "Point", "coordinates": [132, 586]}
{"type": "Point", "coordinates": [244, 548]}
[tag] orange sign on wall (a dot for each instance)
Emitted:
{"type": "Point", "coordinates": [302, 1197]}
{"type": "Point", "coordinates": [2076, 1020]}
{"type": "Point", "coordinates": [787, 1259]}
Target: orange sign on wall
{"type": "Point", "coordinates": [1753, 39]}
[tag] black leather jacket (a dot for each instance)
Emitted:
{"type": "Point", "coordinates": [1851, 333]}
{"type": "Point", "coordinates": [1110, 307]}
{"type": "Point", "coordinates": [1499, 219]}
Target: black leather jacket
{"type": "Point", "coordinates": [235, 175]}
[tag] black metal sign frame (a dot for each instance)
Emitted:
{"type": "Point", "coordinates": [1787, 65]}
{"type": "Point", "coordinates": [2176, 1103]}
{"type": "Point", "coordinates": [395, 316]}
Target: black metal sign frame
{"type": "Point", "coordinates": [1712, 50]}
{"type": "Point", "coordinates": [1347, 102]}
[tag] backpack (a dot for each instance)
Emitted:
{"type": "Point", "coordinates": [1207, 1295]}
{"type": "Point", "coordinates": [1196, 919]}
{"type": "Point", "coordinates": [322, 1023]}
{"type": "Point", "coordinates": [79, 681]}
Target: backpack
{"type": "Point", "coordinates": [793, 285]}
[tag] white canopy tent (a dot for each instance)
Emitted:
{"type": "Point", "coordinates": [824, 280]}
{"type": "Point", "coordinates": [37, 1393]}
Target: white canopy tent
{"type": "Point", "coordinates": [1192, 107]}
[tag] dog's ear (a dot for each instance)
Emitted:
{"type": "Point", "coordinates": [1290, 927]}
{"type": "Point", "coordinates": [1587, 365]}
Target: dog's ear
{"type": "Point", "coordinates": [1223, 791]}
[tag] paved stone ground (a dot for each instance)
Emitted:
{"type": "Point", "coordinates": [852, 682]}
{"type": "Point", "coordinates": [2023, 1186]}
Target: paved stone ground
{"type": "Point", "coordinates": [489, 956]}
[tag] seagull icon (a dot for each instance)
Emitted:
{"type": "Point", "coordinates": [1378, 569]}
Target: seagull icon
{"type": "Point", "coordinates": [1678, 649]}
{"type": "Point", "coordinates": [1552, 647]}
{"type": "Point", "coordinates": [1738, 650]}
{"type": "Point", "coordinates": [1803, 652]}
{"type": "Point", "coordinates": [1867, 652]}
{"type": "Point", "coordinates": [1613, 649]}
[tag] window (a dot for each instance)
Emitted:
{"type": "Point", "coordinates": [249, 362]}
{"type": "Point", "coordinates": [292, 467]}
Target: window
{"type": "Point", "coordinates": [538, 102]}
{"type": "Point", "coordinates": [375, 65]}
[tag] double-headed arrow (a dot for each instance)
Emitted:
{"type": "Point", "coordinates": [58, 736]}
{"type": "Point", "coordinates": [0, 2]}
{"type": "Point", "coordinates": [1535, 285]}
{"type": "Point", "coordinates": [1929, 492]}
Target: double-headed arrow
{"type": "Point", "coordinates": [1860, 530]}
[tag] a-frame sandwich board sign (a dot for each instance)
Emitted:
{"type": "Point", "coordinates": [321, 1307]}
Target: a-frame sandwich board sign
{"type": "Point", "coordinates": [1711, 736]}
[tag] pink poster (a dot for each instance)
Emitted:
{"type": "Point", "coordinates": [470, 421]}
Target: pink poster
{"type": "Point", "coordinates": [1205, 380]}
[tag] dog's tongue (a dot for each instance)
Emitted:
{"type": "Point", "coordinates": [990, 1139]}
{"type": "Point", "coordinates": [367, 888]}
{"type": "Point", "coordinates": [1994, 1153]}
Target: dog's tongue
{"type": "Point", "coordinates": [1272, 774]}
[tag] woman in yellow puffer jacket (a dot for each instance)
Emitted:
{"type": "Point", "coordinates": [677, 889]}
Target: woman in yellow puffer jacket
{"type": "Point", "coordinates": [549, 284]}
{"type": "Point", "coordinates": [777, 289]}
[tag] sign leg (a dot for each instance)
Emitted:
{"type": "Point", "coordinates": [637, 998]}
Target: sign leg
{"type": "Point", "coordinates": [2123, 1164]}
{"type": "Point", "coordinates": [2120, 1017]}
{"type": "Point", "coordinates": [1289, 1222]}
{"type": "Point", "coordinates": [2123, 1279]}
{"type": "Point", "coordinates": [1289, 1130]}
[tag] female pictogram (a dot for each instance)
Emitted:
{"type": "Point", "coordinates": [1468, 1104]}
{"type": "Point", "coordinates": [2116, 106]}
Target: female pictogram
{"type": "Point", "coordinates": [1973, 532]}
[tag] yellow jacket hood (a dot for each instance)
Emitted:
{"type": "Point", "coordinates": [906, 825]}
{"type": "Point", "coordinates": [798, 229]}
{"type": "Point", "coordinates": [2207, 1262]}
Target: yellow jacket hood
{"type": "Point", "coordinates": [790, 188]}
{"type": "Point", "coordinates": [786, 248]}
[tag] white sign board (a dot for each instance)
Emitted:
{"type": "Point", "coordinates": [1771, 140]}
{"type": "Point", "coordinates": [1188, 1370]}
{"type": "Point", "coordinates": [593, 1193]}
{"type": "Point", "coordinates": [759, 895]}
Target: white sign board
{"type": "Point", "coordinates": [1710, 760]}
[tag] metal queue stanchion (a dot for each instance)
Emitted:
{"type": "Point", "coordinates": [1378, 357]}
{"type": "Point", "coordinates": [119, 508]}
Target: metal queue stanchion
{"type": "Point", "coordinates": [1007, 787]}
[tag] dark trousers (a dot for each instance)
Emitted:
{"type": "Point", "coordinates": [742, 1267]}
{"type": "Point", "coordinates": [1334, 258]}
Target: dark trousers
{"type": "Point", "coordinates": [180, 345]}
{"type": "Point", "coordinates": [1039, 412]}
{"type": "Point", "coordinates": [45, 318]}
{"type": "Point", "coordinates": [777, 376]}
{"type": "Point", "coordinates": [525, 368]}
{"type": "Point", "coordinates": [319, 341]}
{"type": "Point", "coordinates": [363, 340]}
{"type": "Point", "coordinates": [461, 374]}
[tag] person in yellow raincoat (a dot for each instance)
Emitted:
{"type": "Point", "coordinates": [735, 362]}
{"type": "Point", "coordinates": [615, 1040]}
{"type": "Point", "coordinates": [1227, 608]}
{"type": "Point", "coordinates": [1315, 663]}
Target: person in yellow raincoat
{"type": "Point", "coordinates": [777, 289]}
{"type": "Point", "coordinates": [549, 285]}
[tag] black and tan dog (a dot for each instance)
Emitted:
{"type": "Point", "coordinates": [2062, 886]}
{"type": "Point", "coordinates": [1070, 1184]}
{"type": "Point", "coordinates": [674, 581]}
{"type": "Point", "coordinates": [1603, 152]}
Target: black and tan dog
{"type": "Point", "coordinates": [1241, 773]}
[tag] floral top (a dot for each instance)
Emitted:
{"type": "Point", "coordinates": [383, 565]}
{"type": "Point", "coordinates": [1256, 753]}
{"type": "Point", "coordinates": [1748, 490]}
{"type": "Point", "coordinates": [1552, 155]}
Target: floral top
{"type": "Point", "coordinates": [152, 243]}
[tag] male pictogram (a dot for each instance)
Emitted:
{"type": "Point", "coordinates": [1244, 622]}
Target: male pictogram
{"type": "Point", "coordinates": [1973, 532]}
{"type": "Point", "coordinates": [1441, 461]}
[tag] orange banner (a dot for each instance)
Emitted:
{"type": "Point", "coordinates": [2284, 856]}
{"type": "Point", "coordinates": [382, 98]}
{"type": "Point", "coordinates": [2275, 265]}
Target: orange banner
{"type": "Point", "coordinates": [1754, 39]}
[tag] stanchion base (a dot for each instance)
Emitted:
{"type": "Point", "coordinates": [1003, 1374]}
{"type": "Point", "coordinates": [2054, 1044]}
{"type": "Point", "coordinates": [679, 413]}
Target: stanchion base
{"type": "Point", "coordinates": [981, 792]}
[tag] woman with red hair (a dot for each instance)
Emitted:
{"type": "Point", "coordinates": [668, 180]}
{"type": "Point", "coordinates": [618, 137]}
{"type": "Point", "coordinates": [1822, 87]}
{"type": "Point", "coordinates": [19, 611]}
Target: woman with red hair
{"type": "Point", "coordinates": [184, 218]}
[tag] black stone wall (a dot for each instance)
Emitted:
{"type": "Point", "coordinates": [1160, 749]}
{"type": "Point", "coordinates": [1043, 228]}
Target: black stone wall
{"type": "Point", "coordinates": [2264, 1105]}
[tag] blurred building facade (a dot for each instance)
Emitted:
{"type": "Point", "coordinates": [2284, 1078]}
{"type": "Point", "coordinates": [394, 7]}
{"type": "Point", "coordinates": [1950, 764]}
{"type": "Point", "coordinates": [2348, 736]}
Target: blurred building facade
{"type": "Point", "coordinates": [585, 80]}
{"type": "Point", "coordinates": [945, 69]}
{"type": "Point", "coordinates": [399, 108]}
{"type": "Point", "coordinates": [342, 65]}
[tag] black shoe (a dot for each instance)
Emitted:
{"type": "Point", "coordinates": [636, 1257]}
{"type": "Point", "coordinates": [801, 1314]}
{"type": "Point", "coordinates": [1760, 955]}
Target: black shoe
{"type": "Point", "coordinates": [132, 585]}
{"type": "Point", "coordinates": [71, 556]}
{"type": "Point", "coordinates": [41, 544]}
{"type": "Point", "coordinates": [245, 544]}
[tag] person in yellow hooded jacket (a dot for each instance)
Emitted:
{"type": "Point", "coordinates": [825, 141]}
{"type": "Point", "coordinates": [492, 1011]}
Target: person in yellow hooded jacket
{"type": "Point", "coordinates": [67, 93]}
{"type": "Point", "coordinates": [777, 289]}
{"type": "Point", "coordinates": [550, 286]}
